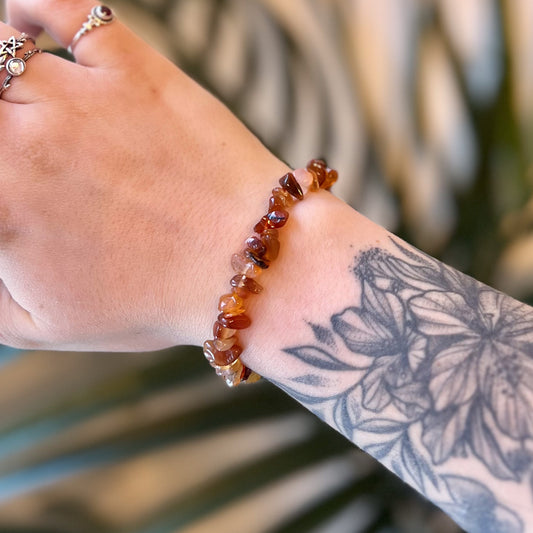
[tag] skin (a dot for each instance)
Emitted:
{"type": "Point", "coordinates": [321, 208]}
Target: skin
{"type": "Point", "coordinates": [120, 206]}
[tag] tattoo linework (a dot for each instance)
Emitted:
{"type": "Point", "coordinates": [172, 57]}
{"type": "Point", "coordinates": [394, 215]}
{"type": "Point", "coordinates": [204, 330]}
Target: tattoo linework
{"type": "Point", "coordinates": [449, 357]}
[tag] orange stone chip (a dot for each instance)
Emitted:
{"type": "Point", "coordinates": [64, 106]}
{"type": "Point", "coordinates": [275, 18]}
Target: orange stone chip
{"type": "Point", "coordinates": [234, 321]}
{"type": "Point", "coordinates": [231, 304]}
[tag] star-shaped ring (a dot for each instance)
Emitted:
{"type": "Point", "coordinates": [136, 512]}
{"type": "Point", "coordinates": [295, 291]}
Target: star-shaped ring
{"type": "Point", "coordinates": [10, 46]}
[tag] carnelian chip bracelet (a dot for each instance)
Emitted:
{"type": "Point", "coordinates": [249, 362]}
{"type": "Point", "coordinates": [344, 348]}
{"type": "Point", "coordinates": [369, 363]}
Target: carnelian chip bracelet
{"type": "Point", "coordinates": [224, 350]}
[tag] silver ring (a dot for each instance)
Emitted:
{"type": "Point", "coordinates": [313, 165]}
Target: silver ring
{"type": "Point", "coordinates": [99, 16]}
{"type": "Point", "coordinates": [9, 48]}
{"type": "Point", "coordinates": [16, 66]}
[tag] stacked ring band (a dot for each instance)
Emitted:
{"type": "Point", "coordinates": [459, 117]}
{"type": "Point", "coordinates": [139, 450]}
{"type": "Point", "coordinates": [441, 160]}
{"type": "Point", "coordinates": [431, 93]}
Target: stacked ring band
{"type": "Point", "coordinates": [99, 16]}
{"type": "Point", "coordinates": [16, 66]}
{"type": "Point", "coordinates": [9, 48]}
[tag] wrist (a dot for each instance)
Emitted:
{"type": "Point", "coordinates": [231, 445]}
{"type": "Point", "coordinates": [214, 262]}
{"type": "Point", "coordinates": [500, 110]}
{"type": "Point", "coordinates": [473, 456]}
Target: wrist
{"type": "Point", "coordinates": [306, 284]}
{"type": "Point", "coordinates": [216, 228]}
{"type": "Point", "coordinates": [261, 249]}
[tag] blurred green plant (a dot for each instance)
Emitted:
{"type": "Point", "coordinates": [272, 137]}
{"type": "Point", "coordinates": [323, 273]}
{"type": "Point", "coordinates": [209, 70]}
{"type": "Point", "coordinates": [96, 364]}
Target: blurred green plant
{"type": "Point", "coordinates": [43, 463]}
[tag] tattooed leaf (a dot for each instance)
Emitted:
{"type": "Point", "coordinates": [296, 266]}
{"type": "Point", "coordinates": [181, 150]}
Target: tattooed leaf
{"type": "Point", "coordinates": [418, 257]}
{"type": "Point", "coordinates": [345, 414]}
{"type": "Point", "coordinates": [411, 462]}
{"type": "Point", "coordinates": [310, 400]}
{"type": "Point", "coordinates": [454, 374]}
{"type": "Point", "coordinates": [442, 431]}
{"type": "Point", "coordinates": [428, 471]}
{"type": "Point", "coordinates": [311, 379]}
{"type": "Point", "coordinates": [323, 335]}
{"type": "Point", "coordinates": [382, 425]}
{"type": "Point", "coordinates": [477, 510]}
{"type": "Point", "coordinates": [485, 446]}
{"type": "Point", "coordinates": [318, 358]}
{"type": "Point", "coordinates": [381, 450]}
{"type": "Point", "coordinates": [396, 467]}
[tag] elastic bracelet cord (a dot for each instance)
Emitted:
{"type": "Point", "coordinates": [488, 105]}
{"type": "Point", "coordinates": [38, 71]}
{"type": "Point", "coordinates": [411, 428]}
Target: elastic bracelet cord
{"type": "Point", "coordinates": [260, 249]}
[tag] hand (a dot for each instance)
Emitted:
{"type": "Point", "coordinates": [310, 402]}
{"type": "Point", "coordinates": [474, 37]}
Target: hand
{"type": "Point", "coordinates": [125, 188]}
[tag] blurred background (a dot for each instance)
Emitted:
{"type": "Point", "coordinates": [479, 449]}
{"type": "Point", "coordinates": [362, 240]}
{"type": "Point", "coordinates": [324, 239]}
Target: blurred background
{"type": "Point", "coordinates": [426, 109]}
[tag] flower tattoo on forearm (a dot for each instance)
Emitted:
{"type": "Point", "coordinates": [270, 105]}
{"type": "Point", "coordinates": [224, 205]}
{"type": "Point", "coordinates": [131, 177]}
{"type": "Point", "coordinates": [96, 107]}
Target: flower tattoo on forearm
{"type": "Point", "coordinates": [447, 358]}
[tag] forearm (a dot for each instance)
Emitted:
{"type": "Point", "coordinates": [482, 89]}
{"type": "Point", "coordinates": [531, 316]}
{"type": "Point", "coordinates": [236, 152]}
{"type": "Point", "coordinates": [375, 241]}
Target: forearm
{"type": "Point", "coordinates": [423, 367]}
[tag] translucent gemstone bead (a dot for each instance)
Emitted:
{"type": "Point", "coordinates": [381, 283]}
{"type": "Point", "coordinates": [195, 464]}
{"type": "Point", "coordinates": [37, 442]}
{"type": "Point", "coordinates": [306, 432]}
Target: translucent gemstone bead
{"type": "Point", "coordinates": [272, 246]}
{"type": "Point", "coordinates": [250, 376]}
{"type": "Point", "coordinates": [305, 179]}
{"type": "Point", "coordinates": [262, 225]}
{"type": "Point", "coordinates": [234, 321]}
{"type": "Point", "coordinates": [261, 263]}
{"type": "Point", "coordinates": [231, 304]}
{"type": "Point", "coordinates": [242, 282]}
{"type": "Point", "coordinates": [224, 344]}
{"type": "Point", "coordinates": [209, 351]}
{"type": "Point", "coordinates": [232, 374]}
{"type": "Point", "coordinates": [289, 183]}
{"type": "Point", "coordinates": [271, 231]}
{"type": "Point", "coordinates": [242, 265]}
{"type": "Point", "coordinates": [316, 184]}
{"type": "Point", "coordinates": [220, 332]}
{"type": "Point", "coordinates": [331, 178]}
{"type": "Point", "coordinates": [241, 293]}
{"type": "Point", "coordinates": [278, 218]}
{"type": "Point", "coordinates": [275, 203]}
{"type": "Point", "coordinates": [256, 246]}
{"type": "Point", "coordinates": [226, 357]}
{"type": "Point", "coordinates": [236, 378]}
{"type": "Point", "coordinates": [318, 167]}
{"type": "Point", "coordinates": [283, 196]}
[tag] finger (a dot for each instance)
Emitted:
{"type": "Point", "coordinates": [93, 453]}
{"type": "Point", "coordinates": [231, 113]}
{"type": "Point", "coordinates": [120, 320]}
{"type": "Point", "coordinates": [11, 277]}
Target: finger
{"type": "Point", "coordinates": [62, 19]}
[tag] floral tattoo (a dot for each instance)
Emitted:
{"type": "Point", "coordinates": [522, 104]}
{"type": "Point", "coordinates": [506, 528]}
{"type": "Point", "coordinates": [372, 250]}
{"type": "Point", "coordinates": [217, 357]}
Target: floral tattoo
{"type": "Point", "coordinates": [449, 359]}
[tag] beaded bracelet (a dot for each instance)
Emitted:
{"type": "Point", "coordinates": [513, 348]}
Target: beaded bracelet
{"type": "Point", "coordinates": [224, 351]}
